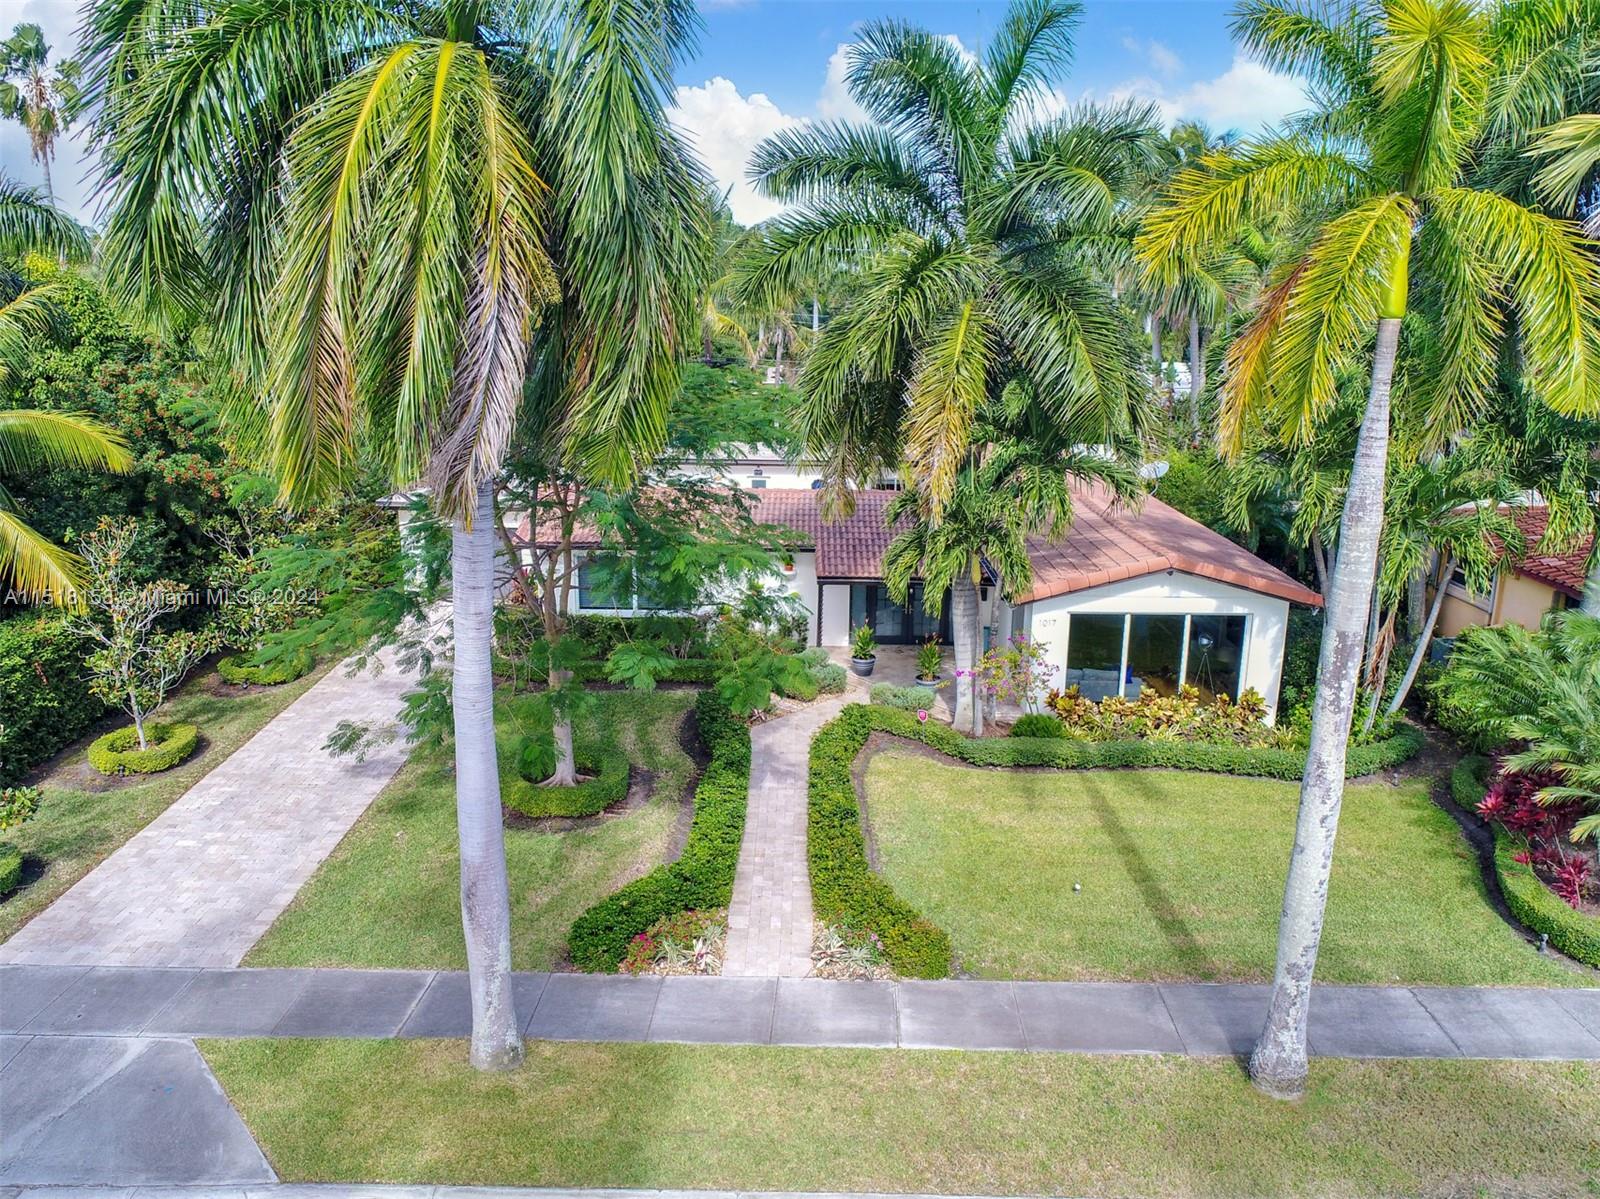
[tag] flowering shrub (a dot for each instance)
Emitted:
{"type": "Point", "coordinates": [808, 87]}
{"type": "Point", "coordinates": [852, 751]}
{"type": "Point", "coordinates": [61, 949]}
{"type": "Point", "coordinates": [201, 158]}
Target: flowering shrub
{"type": "Point", "coordinates": [688, 942]}
{"type": "Point", "coordinates": [1016, 672]}
{"type": "Point", "coordinates": [17, 805]}
{"type": "Point", "coordinates": [1181, 717]}
{"type": "Point", "coordinates": [1512, 801]}
{"type": "Point", "coordinates": [841, 953]}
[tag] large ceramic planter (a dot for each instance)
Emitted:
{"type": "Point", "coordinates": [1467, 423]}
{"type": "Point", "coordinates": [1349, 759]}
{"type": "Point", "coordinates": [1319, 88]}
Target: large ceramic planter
{"type": "Point", "coordinates": [929, 684]}
{"type": "Point", "coordinates": [863, 666]}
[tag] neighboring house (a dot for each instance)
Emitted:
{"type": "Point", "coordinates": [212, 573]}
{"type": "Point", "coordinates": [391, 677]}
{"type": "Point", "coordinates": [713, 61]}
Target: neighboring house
{"type": "Point", "coordinates": [1525, 589]}
{"type": "Point", "coordinates": [1127, 600]}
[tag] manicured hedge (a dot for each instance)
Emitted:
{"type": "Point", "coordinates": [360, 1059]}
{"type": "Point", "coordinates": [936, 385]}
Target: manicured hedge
{"type": "Point", "coordinates": [1075, 754]}
{"type": "Point", "coordinates": [830, 677]}
{"type": "Point", "coordinates": [608, 785]}
{"type": "Point", "coordinates": [700, 671]}
{"type": "Point", "coordinates": [844, 889]}
{"type": "Point", "coordinates": [10, 868]}
{"type": "Point", "coordinates": [1575, 934]}
{"type": "Point", "coordinates": [46, 692]}
{"type": "Point", "coordinates": [238, 669]}
{"type": "Point", "coordinates": [703, 876]}
{"type": "Point", "coordinates": [118, 751]}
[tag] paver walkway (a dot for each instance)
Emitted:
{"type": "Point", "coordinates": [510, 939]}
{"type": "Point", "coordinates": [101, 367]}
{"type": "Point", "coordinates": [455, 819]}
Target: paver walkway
{"type": "Point", "coordinates": [1046, 1017]}
{"type": "Point", "coordinates": [201, 882]}
{"type": "Point", "coordinates": [769, 918]}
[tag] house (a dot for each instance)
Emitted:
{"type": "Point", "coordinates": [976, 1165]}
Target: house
{"type": "Point", "coordinates": [1525, 589]}
{"type": "Point", "coordinates": [1127, 600]}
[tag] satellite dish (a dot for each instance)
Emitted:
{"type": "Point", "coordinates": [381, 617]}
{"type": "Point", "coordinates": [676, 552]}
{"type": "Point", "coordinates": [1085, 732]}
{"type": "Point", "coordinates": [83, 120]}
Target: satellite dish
{"type": "Point", "coordinates": [1154, 470]}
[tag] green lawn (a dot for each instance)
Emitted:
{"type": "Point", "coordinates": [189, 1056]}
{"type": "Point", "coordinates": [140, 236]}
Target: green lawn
{"type": "Point", "coordinates": [76, 827]}
{"type": "Point", "coordinates": [1182, 877]}
{"type": "Point", "coordinates": [585, 1115]}
{"type": "Point", "coordinates": [389, 895]}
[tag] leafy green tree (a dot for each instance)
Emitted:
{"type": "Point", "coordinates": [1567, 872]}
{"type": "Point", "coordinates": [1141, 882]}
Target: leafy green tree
{"type": "Point", "coordinates": [43, 101]}
{"type": "Point", "coordinates": [974, 233]}
{"type": "Point", "coordinates": [1380, 182]}
{"type": "Point", "coordinates": [376, 207]}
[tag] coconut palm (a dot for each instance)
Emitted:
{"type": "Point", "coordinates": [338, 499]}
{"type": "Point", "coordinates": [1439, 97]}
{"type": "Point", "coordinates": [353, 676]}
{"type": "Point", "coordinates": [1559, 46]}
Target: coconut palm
{"type": "Point", "coordinates": [1379, 182]}
{"type": "Point", "coordinates": [372, 204]}
{"type": "Point", "coordinates": [41, 100]}
{"type": "Point", "coordinates": [974, 232]}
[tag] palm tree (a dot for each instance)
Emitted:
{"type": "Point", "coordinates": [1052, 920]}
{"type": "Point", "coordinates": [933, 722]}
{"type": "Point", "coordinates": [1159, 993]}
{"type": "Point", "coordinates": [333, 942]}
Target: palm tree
{"type": "Point", "coordinates": [1379, 180]}
{"type": "Point", "coordinates": [36, 440]}
{"type": "Point", "coordinates": [42, 101]}
{"type": "Point", "coordinates": [974, 233]}
{"type": "Point", "coordinates": [376, 206]}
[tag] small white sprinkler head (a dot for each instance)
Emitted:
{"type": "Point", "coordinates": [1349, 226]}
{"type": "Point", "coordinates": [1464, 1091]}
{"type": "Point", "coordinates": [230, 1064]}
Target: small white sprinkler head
{"type": "Point", "coordinates": [1077, 886]}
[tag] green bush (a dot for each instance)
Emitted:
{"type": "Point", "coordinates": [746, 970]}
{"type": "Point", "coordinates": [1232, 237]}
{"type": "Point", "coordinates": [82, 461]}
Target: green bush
{"type": "Point", "coordinates": [118, 751]}
{"type": "Point", "coordinates": [830, 677]}
{"type": "Point", "coordinates": [47, 700]}
{"type": "Point", "coordinates": [10, 868]}
{"type": "Point", "coordinates": [695, 671]}
{"type": "Point", "coordinates": [608, 785]}
{"type": "Point", "coordinates": [1038, 724]}
{"type": "Point", "coordinates": [239, 669]}
{"type": "Point", "coordinates": [844, 889]}
{"type": "Point", "coordinates": [702, 877]}
{"type": "Point", "coordinates": [1072, 753]}
{"type": "Point", "coordinates": [17, 805]}
{"type": "Point", "coordinates": [680, 636]}
{"type": "Point", "coordinates": [1536, 906]}
{"type": "Point", "coordinates": [804, 687]}
{"type": "Point", "coordinates": [907, 699]}
{"type": "Point", "coordinates": [814, 656]}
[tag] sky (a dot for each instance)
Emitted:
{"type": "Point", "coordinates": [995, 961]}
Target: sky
{"type": "Point", "coordinates": [766, 65]}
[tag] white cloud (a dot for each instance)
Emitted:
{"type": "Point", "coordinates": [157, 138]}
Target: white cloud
{"type": "Point", "coordinates": [834, 102]}
{"type": "Point", "coordinates": [1246, 97]}
{"type": "Point", "coordinates": [1159, 55]}
{"type": "Point", "coordinates": [725, 127]}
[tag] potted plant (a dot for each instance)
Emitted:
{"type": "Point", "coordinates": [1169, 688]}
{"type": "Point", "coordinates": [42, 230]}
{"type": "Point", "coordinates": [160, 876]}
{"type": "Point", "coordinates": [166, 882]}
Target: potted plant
{"type": "Point", "coordinates": [863, 650]}
{"type": "Point", "coordinates": [929, 660]}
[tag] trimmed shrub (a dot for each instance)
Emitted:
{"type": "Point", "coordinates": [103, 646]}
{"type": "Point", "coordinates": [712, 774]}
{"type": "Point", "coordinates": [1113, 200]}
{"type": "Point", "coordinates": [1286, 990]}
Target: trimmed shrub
{"type": "Point", "coordinates": [1535, 905]}
{"type": "Point", "coordinates": [10, 868]}
{"type": "Point", "coordinates": [844, 889]}
{"type": "Point", "coordinates": [814, 656]}
{"type": "Point", "coordinates": [1074, 754]}
{"type": "Point", "coordinates": [906, 699]}
{"type": "Point", "coordinates": [703, 876]}
{"type": "Point", "coordinates": [609, 785]}
{"type": "Point", "coordinates": [48, 704]}
{"type": "Point", "coordinates": [1038, 724]}
{"type": "Point", "coordinates": [239, 669]}
{"type": "Point", "coordinates": [830, 677]}
{"type": "Point", "coordinates": [118, 751]}
{"type": "Point", "coordinates": [17, 805]}
{"type": "Point", "coordinates": [803, 687]}
{"type": "Point", "coordinates": [696, 671]}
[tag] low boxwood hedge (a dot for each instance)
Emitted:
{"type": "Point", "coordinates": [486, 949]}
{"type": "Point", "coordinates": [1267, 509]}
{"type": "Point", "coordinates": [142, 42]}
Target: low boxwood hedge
{"type": "Point", "coordinates": [608, 785]}
{"type": "Point", "coordinates": [118, 751]}
{"type": "Point", "coordinates": [844, 890]}
{"type": "Point", "coordinates": [10, 868]}
{"type": "Point", "coordinates": [702, 877]}
{"type": "Point", "coordinates": [1075, 754]}
{"type": "Point", "coordinates": [239, 669]}
{"type": "Point", "coordinates": [1538, 908]}
{"type": "Point", "coordinates": [697, 671]}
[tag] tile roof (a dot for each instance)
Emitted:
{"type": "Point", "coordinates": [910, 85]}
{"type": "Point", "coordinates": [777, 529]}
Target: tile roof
{"type": "Point", "coordinates": [1106, 543]}
{"type": "Point", "coordinates": [1564, 572]}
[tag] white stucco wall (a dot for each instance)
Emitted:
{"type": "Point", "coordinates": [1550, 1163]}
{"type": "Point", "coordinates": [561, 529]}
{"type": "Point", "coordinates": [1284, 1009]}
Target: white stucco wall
{"type": "Point", "coordinates": [835, 613]}
{"type": "Point", "coordinates": [1173, 593]}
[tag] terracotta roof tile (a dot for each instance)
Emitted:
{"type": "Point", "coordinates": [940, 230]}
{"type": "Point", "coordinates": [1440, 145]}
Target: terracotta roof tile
{"type": "Point", "coordinates": [1564, 572]}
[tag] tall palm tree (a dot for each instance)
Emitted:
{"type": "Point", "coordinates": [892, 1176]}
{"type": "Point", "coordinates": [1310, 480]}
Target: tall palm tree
{"type": "Point", "coordinates": [41, 100]}
{"type": "Point", "coordinates": [1379, 180]}
{"type": "Point", "coordinates": [36, 440]}
{"type": "Point", "coordinates": [974, 233]}
{"type": "Point", "coordinates": [377, 205]}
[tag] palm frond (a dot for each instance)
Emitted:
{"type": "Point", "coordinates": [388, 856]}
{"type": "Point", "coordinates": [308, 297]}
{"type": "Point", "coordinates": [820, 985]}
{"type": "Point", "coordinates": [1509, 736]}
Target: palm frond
{"type": "Point", "coordinates": [37, 440]}
{"type": "Point", "coordinates": [949, 379]}
{"type": "Point", "coordinates": [1573, 150]}
{"type": "Point", "coordinates": [1033, 43]}
{"type": "Point", "coordinates": [29, 224]}
{"type": "Point", "coordinates": [36, 566]}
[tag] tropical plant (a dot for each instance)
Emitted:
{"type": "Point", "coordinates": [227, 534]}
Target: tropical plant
{"type": "Point", "coordinates": [863, 643]}
{"type": "Point", "coordinates": [402, 194]}
{"type": "Point", "coordinates": [41, 100]}
{"type": "Point", "coordinates": [929, 658]}
{"type": "Point", "coordinates": [1537, 692]}
{"type": "Point", "coordinates": [1379, 183]}
{"type": "Point", "coordinates": [975, 234]}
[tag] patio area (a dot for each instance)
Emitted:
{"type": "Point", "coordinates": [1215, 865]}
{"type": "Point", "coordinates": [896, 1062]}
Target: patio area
{"type": "Point", "coordinates": [897, 666]}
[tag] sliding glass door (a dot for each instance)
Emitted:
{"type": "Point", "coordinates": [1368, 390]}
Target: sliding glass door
{"type": "Point", "coordinates": [894, 623]}
{"type": "Point", "coordinates": [1127, 654]}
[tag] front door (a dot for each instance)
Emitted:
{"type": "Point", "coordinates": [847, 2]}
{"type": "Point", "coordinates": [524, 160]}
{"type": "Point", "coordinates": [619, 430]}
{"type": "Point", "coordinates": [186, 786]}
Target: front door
{"type": "Point", "coordinates": [897, 624]}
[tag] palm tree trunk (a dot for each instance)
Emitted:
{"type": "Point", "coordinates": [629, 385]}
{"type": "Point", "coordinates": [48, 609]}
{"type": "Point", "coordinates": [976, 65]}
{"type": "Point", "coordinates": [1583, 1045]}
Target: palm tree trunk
{"type": "Point", "coordinates": [1155, 345]}
{"type": "Point", "coordinates": [816, 320]}
{"type": "Point", "coordinates": [1591, 587]}
{"type": "Point", "coordinates": [485, 894]}
{"type": "Point", "coordinates": [1197, 380]}
{"type": "Point", "coordinates": [964, 625]}
{"type": "Point", "coordinates": [1424, 636]}
{"type": "Point", "coordinates": [1278, 1065]}
{"type": "Point", "coordinates": [49, 187]}
{"type": "Point", "coordinates": [1319, 559]}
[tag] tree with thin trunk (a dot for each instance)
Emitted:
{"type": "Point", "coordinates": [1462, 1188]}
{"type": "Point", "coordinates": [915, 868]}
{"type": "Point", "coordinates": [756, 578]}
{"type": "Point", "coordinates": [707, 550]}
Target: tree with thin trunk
{"type": "Point", "coordinates": [1380, 179]}
{"type": "Point", "coordinates": [383, 210]}
{"type": "Point", "coordinates": [41, 98]}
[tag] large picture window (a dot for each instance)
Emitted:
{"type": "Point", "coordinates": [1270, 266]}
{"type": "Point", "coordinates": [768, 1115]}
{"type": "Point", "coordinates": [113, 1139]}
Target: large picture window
{"type": "Point", "coordinates": [603, 587]}
{"type": "Point", "coordinates": [1128, 654]}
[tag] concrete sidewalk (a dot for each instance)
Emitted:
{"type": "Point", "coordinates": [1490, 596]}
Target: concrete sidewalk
{"type": "Point", "coordinates": [39, 1003]}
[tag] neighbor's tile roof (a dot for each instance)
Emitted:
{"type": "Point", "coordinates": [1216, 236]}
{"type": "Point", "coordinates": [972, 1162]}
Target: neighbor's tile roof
{"type": "Point", "coordinates": [1105, 543]}
{"type": "Point", "coordinates": [1564, 572]}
